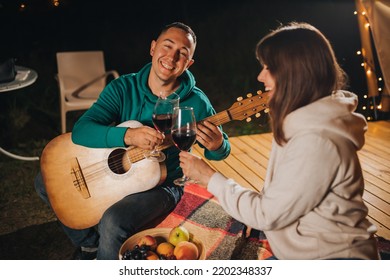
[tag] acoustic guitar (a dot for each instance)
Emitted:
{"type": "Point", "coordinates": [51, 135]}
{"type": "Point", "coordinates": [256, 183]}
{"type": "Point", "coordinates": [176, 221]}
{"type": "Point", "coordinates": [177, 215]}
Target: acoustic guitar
{"type": "Point", "coordinates": [83, 182]}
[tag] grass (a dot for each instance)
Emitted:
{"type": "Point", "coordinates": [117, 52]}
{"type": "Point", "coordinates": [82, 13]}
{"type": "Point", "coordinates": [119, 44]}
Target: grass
{"type": "Point", "coordinates": [20, 205]}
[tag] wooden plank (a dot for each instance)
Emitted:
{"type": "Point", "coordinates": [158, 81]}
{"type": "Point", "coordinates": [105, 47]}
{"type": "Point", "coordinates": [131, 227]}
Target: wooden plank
{"type": "Point", "coordinates": [251, 177]}
{"type": "Point", "coordinates": [259, 142]}
{"type": "Point", "coordinates": [382, 231]}
{"type": "Point", "coordinates": [376, 169]}
{"type": "Point", "coordinates": [379, 128]}
{"type": "Point", "coordinates": [379, 159]}
{"type": "Point", "coordinates": [253, 158]}
{"type": "Point", "coordinates": [377, 191]}
{"type": "Point", "coordinates": [380, 149]}
{"type": "Point", "coordinates": [225, 169]}
{"type": "Point", "coordinates": [377, 202]}
{"type": "Point", "coordinates": [378, 218]}
{"type": "Point", "coordinates": [385, 186]}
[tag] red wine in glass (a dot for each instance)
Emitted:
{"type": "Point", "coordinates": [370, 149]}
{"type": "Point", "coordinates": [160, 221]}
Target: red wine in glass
{"type": "Point", "coordinates": [162, 122]}
{"type": "Point", "coordinates": [184, 139]}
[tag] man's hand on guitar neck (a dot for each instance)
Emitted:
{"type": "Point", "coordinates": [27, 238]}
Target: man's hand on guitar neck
{"type": "Point", "coordinates": [209, 135]}
{"type": "Point", "coordinates": [143, 137]}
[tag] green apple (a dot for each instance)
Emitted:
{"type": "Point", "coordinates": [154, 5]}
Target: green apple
{"type": "Point", "coordinates": [178, 234]}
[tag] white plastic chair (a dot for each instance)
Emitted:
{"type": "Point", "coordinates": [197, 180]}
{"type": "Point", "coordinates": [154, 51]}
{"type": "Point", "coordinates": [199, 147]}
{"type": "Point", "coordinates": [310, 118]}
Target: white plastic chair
{"type": "Point", "coordinates": [81, 78]}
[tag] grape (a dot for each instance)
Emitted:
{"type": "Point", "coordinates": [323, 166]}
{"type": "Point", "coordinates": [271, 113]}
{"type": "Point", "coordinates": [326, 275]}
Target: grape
{"type": "Point", "coordinates": [138, 253]}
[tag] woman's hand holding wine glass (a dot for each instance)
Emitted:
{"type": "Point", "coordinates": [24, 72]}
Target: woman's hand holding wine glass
{"type": "Point", "coordinates": [196, 168]}
{"type": "Point", "coordinates": [183, 133]}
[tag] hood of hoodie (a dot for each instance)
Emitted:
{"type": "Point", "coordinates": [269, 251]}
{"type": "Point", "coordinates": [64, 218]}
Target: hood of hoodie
{"type": "Point", "coordinates": [187, 83]}
{"type": "Point", "coordinates": [333, 114]}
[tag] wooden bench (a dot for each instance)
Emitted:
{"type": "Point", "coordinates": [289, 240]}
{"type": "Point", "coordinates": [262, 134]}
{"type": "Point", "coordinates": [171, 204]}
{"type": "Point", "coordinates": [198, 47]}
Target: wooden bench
{"type": "Point", "coordinates": [248, 160]}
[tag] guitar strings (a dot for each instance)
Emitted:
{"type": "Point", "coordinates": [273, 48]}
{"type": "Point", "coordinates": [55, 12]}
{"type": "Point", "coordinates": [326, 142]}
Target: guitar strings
{"type": "Point", "coordinates": [116, 162]}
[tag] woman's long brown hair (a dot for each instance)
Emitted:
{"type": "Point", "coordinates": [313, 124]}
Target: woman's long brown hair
{"type": "Point", "coordinates": [305, 69]}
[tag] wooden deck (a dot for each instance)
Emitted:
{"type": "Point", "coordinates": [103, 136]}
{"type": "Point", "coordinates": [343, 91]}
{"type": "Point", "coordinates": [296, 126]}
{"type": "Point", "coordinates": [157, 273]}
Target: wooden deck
{"type": "Point", "coordinates": [248, 160]}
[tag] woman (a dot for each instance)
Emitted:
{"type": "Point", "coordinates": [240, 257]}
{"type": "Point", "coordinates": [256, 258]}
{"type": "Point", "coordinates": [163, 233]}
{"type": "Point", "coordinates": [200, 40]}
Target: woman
{"type": "Point", "coordinates": [311, 206]}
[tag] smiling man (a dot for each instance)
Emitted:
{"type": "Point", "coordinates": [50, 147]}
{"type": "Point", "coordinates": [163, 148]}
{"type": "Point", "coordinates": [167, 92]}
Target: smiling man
{"type": "Point", "coordinates": [171, 55]}
{"type": "Point", "coordinates": [132, 97]}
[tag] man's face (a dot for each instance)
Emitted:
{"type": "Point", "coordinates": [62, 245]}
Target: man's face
{"type": "Point", "coordinates": [171, 54]}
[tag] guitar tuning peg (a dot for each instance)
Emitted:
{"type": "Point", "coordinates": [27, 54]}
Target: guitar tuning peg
{"type": "Point", "coordinates": [266, 110]}
{"type": "Point", "coordinates": [258, 115]}
{"type": "Point", "coordinates": [249, 95]}
{"type": "Point", "coordinates": [248, 119]}
{"type": "Point", "coordinates": [239, 98]}
{"type": "Point", "coordinates": [259, 92]}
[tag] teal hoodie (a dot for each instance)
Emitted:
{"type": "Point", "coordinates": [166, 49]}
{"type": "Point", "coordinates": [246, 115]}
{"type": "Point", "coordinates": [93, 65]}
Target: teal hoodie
{"type": "Point", "coordinates": [130, 98]}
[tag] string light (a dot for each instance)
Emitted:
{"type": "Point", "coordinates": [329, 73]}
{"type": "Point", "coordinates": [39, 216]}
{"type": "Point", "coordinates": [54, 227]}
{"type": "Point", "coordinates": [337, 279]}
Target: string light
{"type": "Point", "coordinates": [368, 65]}
{"type": "Point", "coordinates": [22, 7]}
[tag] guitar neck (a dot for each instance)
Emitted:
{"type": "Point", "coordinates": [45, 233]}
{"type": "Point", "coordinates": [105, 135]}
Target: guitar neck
{"type": "Point", "coordinates": [219, 118]}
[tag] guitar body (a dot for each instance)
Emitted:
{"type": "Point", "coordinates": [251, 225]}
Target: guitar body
{"type": "Point", "coordinates": [82, 182]}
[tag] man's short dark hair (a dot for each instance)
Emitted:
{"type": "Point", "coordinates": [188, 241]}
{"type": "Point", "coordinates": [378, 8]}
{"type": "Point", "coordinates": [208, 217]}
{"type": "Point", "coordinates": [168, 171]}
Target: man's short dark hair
{"type": "Point", "coordinates": [182, 26]}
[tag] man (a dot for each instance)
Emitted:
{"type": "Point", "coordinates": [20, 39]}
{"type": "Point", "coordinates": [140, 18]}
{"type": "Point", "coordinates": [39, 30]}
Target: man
{"type": "Point", "coordinates": [132, 97]}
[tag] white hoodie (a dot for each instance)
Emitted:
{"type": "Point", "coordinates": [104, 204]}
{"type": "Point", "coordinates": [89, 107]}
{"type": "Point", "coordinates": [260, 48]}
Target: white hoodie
{"type": "Point", "coordinates": [311, 206]}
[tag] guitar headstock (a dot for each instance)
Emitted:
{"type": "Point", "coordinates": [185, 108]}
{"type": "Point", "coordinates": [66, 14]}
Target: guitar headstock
{"type": "Point", "coordinates": [252, 105]}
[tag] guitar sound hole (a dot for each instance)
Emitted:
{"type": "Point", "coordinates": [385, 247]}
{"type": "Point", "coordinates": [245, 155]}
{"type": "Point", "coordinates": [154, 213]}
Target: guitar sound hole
{"type": "Point", "coordinates": [118, 162]}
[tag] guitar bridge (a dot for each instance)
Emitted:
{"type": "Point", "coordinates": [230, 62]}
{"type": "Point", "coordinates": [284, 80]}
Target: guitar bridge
{"type": "Point", "coordinates": [78, 179]}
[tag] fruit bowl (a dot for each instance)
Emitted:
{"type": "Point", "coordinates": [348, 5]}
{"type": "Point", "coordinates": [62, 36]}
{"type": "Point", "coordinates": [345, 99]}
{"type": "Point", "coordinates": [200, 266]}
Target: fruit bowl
{"type": "Point", "coordinates": [161, 235]}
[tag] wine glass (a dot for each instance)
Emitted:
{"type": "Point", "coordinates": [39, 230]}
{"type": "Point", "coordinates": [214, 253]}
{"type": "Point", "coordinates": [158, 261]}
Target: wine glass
{"type": "Point", "coordinates": [162, 121]}
{"type": "Point", "coordinates": [183, 133]}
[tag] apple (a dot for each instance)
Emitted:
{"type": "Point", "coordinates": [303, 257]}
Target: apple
{"type": "Point", "coordinates": [186, 250]}
{"type": "Point", "coordinates": [148, 240]}
{"type": "Point", "coordinates": [178, 234]}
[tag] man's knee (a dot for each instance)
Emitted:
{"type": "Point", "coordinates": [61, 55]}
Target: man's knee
{"type": "Point", "coordinates": [40, 187]}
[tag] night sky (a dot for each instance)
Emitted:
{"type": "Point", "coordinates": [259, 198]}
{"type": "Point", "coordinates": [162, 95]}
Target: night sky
{"type": "Point", "coordinates": [225, 66]}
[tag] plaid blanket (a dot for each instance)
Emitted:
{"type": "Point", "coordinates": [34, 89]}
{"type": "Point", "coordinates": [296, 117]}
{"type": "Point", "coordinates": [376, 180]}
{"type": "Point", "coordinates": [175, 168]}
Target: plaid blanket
{"type": "Point", "coordinates": [224, 237]}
